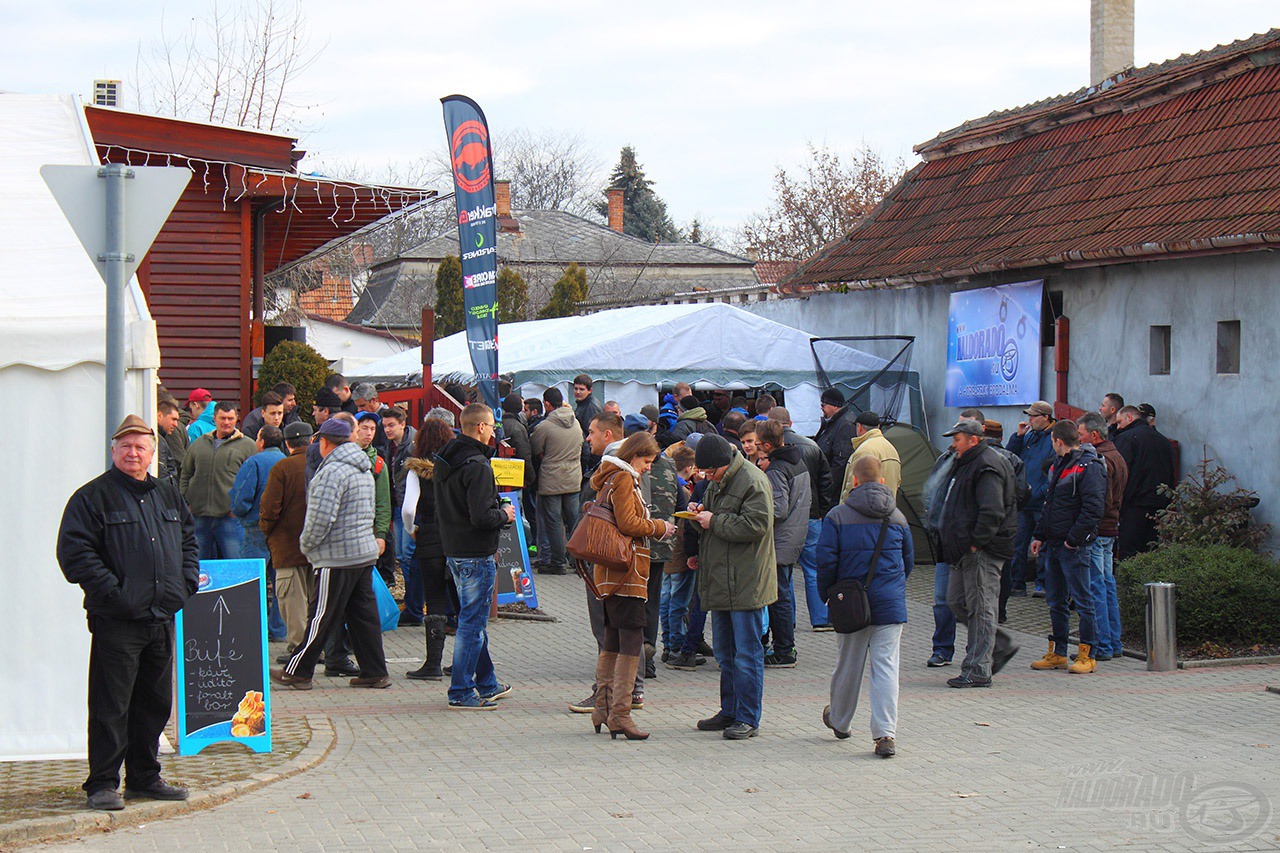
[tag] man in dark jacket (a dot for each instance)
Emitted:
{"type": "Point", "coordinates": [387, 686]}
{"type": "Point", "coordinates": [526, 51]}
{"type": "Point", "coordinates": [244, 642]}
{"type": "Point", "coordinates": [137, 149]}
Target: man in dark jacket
{"type": "Point", "coordinates": [400, 438]}
{"type": "Point", "coordinates": [821, 492]}
{"type": "Point", "coordinates": [693, 418]}
{"type": "Point", "coordinates": [977, 529]}
{"type": "Point", "coordinates": [845, 550]}
{"type": "Point", "coordinates": [1106, 605]}
{"type": "Point", "coordinates": [836, 433]}
{"type": "Point", "coordinates": [729, 426]}
{"type": "Point", "coordinates": [784, 466]}
{"type": "Point", "coordinates": [994, 432]}
{"type": "Point", "coordinates": [1035, 447]}
{"type": "Point", "coordinates": [1073, 507]}
{"type": "Point", "coordinates": [282, 513]}
{"type": "Point", "coordinates": [129, 541]}
{"type": "Point", "coordinates": [471, 521]}
{"type": "Point", "coordinates": [516, 434]}
{"type": "Point", "coordinates": [1149, 456]}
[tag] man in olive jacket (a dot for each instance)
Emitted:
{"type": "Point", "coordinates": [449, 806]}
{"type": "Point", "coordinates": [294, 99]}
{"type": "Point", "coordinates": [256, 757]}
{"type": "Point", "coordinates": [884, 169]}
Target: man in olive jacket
{"type": "Point", "coordinates": [737, 579]}
{"type": "Point", "coordinates": [208, 472]}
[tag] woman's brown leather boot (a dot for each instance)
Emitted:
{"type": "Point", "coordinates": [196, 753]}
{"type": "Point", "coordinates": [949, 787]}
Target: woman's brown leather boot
{"type": "Point", "coordinates": [624, 680]}
{"type": "Point", "coordinates": [604, 673]}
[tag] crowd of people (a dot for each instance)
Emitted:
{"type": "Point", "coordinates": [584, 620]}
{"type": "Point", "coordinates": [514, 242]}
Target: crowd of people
{"type": "Point", "coordinates": [721, 500]}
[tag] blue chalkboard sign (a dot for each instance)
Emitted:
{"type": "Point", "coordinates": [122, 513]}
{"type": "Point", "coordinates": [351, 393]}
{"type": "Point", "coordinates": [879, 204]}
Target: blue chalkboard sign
{"type": "Point", "coordinates": [514, 583]}
{"type": "Point", "coordinates": [223, 690]}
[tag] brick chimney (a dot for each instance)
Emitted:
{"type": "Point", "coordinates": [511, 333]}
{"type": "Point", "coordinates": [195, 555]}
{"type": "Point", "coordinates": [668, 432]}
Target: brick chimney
{"type": "Point", "coordinates": [502, 201]}
{"type": "Point", "coordinates": [615, 208]}
{"type": "Point", "coordinates": [1110, 39]}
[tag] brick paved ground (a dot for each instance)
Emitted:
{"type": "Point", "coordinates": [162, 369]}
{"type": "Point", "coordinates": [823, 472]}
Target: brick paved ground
{"type": "Point", "coordinates": [1014, 767]}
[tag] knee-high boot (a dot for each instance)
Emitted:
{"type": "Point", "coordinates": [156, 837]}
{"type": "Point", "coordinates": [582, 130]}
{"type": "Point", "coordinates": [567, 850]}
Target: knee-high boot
{"type": "Point", "coordinates": [430, 670]}
{"type": "Point", "coordinates": [604, 674]}
{"type": "Point", "coordinates": [620, 686]}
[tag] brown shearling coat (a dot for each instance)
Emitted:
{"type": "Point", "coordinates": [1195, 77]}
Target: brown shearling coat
{"type": "Point", "coordinates": [632, 518]}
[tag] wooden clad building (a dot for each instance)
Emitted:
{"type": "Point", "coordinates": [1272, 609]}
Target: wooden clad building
{"type": "Point", "coordinates": [245, 213]}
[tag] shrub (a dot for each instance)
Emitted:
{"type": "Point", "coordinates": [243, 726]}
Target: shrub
{"type": "Point", "coordinates": [1201, 512]}
{"type": "Point", "coordinates": [299, 365]}
{"type": "Point", "coordinates": [1225, 595]}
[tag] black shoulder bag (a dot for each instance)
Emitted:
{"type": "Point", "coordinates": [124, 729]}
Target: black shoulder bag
{"type": "Point", "coordinates": [847, 602]}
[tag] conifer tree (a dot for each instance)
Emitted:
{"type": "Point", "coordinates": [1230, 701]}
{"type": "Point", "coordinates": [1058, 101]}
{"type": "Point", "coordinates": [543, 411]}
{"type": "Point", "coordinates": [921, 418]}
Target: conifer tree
{"type": "Point", "coordinates": [569, 289]}
{"type": "Point", "coordinates": [644, 215]}
{"type": "Point", "coordinates": [513, 296]}
{"type": "Point", "coordinates": [450, 315]}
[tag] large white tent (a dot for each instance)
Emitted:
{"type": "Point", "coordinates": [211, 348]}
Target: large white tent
{"type": "Point", "coordinates": [52, 371]}
{"type": "Point", "coordinates": [636, 351]}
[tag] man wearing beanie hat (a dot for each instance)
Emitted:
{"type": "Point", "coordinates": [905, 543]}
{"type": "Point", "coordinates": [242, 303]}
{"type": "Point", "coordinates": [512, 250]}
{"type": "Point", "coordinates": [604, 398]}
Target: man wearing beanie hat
{"type": "Point", "coordinates": [693, 418]}
{"type": "Point", "coordinates": [836, 433]}
{"type": "Point", "coordinates": [135, 577]}
{"type": "Point", "coordinates": [737, 579]}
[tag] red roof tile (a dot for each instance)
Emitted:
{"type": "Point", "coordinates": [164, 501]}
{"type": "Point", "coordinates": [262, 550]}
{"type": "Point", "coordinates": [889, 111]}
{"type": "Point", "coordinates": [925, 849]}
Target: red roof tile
{"type": "Point", "coordinates": [1176, 158]}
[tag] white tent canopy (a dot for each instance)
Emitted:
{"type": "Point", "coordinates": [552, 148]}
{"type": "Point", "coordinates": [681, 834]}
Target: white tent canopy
{"type": "Point", "coordinates": [52, 354]}
{"type": "Point", "coordinates": [636, 351]}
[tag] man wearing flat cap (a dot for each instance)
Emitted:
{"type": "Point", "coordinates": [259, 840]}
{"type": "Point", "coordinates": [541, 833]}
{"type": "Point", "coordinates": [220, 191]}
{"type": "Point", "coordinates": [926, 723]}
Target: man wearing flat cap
{"type": "Point", "coordinates": [979, 520]}
{"type": "Point", "coordinates": [129, 541]}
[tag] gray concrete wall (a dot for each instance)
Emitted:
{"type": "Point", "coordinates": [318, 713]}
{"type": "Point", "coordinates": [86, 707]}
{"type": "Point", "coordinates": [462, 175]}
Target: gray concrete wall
{"type": "Point", "coordinates": [1111, 310]}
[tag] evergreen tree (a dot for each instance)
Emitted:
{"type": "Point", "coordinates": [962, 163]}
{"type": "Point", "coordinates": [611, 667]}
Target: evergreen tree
{"type": "Point", "coordinates": [644, 214]}
{"type": "Point", "coordinates": [570, 289]}
{"type": "Point", "coordinates": [450, 315]}
{"type": "Point", "coordinates": [513, 297]}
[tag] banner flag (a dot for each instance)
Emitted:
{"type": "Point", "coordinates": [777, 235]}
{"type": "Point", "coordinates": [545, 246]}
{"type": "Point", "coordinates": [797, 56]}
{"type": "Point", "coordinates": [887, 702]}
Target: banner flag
{"type": "Point", "coordinates": [472, 160]}
{"type": "Point", "coordinates": [993, 346]}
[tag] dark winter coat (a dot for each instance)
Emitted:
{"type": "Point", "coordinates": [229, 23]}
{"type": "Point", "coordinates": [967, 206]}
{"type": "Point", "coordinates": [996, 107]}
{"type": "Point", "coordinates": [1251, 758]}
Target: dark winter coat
{"type": "Point", "coordinates": [283, 510]}
{"type": "Point", "coordinates": [131, 546]}
{"type": "Point", "coordinates": [426, 538]}
{"type": "Point", "coordinates": [980, 508]}
{"type": "Point", "coordinates": [1149, 456]}
{"type": "Point", "coordinates": [467, 509]}
{"type": "Point", "coordinates": [835, 438]}
{"type": "Point", "coordinates": [791, 496]}
{"type": "Point", "coordinates": [694, 420]}
{"type": "Point", "coordinates": [515, 433]}
{"type": "Point", "coordinates": [820, 479]}
{"type": "Point", "coordinates": [848, 540]}
{"type": "Point", "coordinates": [1021, 490]}
{"type": "Point", "coordinates": [1117, 479]}
{"type": "Point", "coordinates": [1036, 450]}
{"type": "Point", "coordinates": [738, 569]}
{"type": "Point", "coordinates": [1076, 499]}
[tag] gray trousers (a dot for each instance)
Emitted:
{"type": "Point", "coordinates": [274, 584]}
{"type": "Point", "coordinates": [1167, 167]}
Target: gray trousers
{"type": "Point", "coordinates": [881, 643]}
{"type": "Point", "coordinates": [973, 594]}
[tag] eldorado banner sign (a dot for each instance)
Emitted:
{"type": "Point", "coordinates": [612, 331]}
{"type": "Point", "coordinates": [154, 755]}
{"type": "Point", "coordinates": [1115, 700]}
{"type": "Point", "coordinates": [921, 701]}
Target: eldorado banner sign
{"type": "Point", "coordinates": [472, 159]}
{"type": "Point", "coordinates": [993, 346]}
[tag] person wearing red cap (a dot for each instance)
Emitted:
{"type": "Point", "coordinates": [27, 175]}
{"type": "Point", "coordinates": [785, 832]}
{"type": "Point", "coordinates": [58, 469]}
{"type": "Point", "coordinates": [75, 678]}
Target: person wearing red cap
{"type": "Point", "coordinates": [200, 403]}
{"type": "Point", "coordinates": [129, 541]}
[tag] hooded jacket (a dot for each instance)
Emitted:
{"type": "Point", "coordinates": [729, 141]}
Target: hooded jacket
{"type": "Point", "coordinates": [283, 510]}
{"type": "Point", "coordinates": [1075, 500]}
{"type": "Point", "coordinates": [131, 546]}
{"type": "Point", "coordinates": [980, 507]}
{"type": "Point", "coordinates": [691, 421]}
{"type": "Point", "coordinates": [203, 424]}
{"type": "Point", "coordinates": [848, 541]}
{"type": "Point", "coordinates": [791, 498]}
{"type": "Point", "coordinates": [873, 443]}
{"type": "Point", "coordinates": [467, 509]}
{"type": "Point", "coordinates": [557, 445]}
{"type": "Point", "coordinates": [250, 483]}
{"type": "Point", "coordinates": [738, 569]}
{"type": "Point", "coordinates": [632, 518]}
{"type": "Point", "coordinates": [209, 471]}
{"type": "Point", "coordinates": [338, 532]}
{"type": "Point", "coordinates": [1036, 450]}
{"type": "Point", "coordinates": [834, 435]}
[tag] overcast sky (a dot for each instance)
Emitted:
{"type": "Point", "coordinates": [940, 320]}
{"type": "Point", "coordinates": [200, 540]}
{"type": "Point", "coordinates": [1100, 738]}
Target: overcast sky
{"type": "Point", "coordinates": [714, 96]}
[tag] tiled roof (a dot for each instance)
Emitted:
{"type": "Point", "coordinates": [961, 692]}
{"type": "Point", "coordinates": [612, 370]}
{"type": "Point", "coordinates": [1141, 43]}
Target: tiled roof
{"type": "Point", "coordinates": [1169, 159]}
{"type": "Point", "coordinates": [331, 300]}
{"type": "Point", "coordinates": [772, 272]}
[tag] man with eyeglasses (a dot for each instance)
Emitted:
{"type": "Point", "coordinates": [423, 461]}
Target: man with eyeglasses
{"type": "Point", "coordinates": [1035, 445]}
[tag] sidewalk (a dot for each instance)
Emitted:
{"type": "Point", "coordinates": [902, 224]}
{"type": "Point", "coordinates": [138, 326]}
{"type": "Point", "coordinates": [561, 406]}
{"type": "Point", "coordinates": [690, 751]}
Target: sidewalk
{"type": "Point", "coordinates": [1122, 758]}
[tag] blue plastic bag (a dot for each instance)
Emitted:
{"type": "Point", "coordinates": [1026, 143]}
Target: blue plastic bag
{"type": "Point", "coordinates": [388, 610]}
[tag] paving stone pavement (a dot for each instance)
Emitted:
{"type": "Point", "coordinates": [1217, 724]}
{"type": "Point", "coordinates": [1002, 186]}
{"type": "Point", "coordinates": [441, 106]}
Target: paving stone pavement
{"type": "Point", "coordinates": [1120, 759]}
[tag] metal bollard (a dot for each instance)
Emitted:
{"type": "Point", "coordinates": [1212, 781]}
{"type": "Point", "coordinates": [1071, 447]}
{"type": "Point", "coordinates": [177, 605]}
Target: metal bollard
{"type": "Point", "coordinates": [1162, 627]}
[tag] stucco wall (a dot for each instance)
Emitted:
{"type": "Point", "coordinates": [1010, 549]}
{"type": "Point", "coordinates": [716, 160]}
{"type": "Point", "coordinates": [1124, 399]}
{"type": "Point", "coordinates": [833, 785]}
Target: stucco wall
{"type": "Point", "coordinates": [1111, 310]}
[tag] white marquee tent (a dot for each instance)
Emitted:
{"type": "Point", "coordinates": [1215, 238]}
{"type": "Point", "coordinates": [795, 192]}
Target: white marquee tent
{"type": "Point", "coordinates": [52, 355]}
{"type": "Point", "coordinates": [636, 351]}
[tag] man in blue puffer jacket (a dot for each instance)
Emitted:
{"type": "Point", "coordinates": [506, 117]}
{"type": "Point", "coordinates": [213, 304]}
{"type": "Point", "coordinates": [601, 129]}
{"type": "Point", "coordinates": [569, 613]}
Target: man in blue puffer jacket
{"type": "Point", "coordinates": [1035, 446]}
{"type": "Point", "coordinates": [845, 548]}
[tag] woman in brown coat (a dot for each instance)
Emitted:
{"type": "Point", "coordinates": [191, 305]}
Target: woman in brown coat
{"type": "Point", "coordinates": [617, 482]}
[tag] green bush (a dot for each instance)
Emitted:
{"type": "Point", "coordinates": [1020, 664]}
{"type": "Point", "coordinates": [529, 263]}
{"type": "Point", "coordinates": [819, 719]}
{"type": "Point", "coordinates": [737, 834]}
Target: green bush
{"type": "Point", "coordinates": [1225, 595]}
{"type": "Point", "coordinates": [299, 365]}
{"type": "Point", "coordinates": [1202, 511]}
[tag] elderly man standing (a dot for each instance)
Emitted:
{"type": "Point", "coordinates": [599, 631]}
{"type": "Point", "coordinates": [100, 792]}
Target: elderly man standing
{"type": "Point", "coordinates": [129, 541]}
{"type": "Point", "coordinates": [737, 579]}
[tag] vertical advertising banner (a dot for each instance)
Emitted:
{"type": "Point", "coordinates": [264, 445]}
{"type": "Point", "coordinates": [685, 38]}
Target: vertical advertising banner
{"type": "Point", "coordinates": [993, 346]}
{"type": "Point", "coordinates": [472, 160]}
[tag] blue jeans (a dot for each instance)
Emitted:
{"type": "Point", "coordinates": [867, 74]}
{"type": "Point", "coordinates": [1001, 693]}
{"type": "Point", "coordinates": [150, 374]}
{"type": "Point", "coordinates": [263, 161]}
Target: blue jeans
{"type": "Point", "coordinates": [219, 537]}
{"type": "Point", "coordinates": [1106, 607]}
{"type": "Point", "coordinates": [677, 596]}
{"type": "Point", "coordinates": [944, 621]}
{"type": "Point", "coordinates": [472, 666]}
{"type": "Point", "coordinates": [1067, 573]}
{"type": "Point", "coordinates": [808, 564]}
{"type": "Point", "coordinates": [1022, 571]}
{"type": "Point", "coordinates": [414, 593]}
{"type": "Point", "coordinates": [697, 622]}
{"type": "Point", "coordinates": [736, 637]}
{"type": "Point", "coordinates": [255, 548]}
{"type": "Point", "coordinates": [782, 613]}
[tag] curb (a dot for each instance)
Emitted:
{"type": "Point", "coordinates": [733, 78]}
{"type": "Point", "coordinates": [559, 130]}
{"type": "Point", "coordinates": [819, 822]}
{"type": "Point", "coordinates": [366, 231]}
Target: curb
{"type": "Point", "coordinates": [1221, 662]}
{"type": "Point", "coordinates": [528, 617]}
{"type": "Point", "coordinates": [319, 745]}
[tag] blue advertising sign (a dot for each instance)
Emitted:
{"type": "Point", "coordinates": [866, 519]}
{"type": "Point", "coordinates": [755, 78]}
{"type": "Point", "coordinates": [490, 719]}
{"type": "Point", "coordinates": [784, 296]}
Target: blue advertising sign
{"type": "Point", "coordinates": [472, 159]}
{"type": "Point", "coordinates": [223, 691]}
{"type": "Point", "coordinates": [515, 581]}
{"type": "Point", "coordinates": [993, 346]}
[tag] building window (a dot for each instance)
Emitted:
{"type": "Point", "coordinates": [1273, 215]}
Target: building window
{"type": "Point", "coordinates": [1159, 359]}
{"type": "Point", "coordinates": [1229, 346]}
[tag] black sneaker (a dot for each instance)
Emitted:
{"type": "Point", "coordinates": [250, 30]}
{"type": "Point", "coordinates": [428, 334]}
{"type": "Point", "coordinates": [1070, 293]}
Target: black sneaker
{"type": "Point", "coordinates": [554, 570]}
{"type": "Point", "coordinates": [962, 681]}
{"type": "Point", "coordinates": [704, 648]}
{"type": "Point", "coordinates": [157, 790]}
{"type": "Point", "coordinates": [998, 661]}
{"type": "Point", "coordinates": [688, 663]}
{"type": "Point", "coordinates": [105, 800]}
{"type": "Point", "coordinates": [717, 723]}
{"type": "Point", "coordinates": [740, 731]}
{"type": "Point", "coordinates": [780, 660]}
{"type": "Point", "coordinates": [346, 668]}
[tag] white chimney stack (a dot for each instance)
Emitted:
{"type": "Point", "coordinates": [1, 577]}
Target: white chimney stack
{"type": "Point", "coordinates": [1110, 39]}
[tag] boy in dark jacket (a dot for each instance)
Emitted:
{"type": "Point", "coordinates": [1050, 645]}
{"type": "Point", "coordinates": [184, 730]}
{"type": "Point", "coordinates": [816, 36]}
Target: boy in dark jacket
{"type": "Point", "coordinates": [471, 521]}
{"type": "Point", "coordinates": [846, 547]}
{"type": "Point", "coordinates": [1073, 507]}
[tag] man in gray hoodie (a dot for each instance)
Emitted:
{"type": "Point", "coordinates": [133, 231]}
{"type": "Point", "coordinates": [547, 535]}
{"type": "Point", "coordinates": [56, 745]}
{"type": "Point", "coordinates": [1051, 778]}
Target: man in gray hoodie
{"type": "Point", "coordinates": [337, 539]}
{"type": "Point", "coordinates": [784, 465]}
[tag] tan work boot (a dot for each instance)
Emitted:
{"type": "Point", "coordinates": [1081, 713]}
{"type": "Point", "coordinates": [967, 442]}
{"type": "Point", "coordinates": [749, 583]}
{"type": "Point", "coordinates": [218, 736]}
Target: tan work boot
{"type": "Point", "coordinates": [624, 679]}
{"type": "Point", "coordinates": [604, 673]}
{"type": "Point", "coordinates": [1084, 660]}
{"type": "Point", "coordinates": [1051, 659]}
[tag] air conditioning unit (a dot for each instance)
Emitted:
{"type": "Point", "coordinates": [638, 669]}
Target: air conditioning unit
{"type": "Point", "coordinates": [106, 93]}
